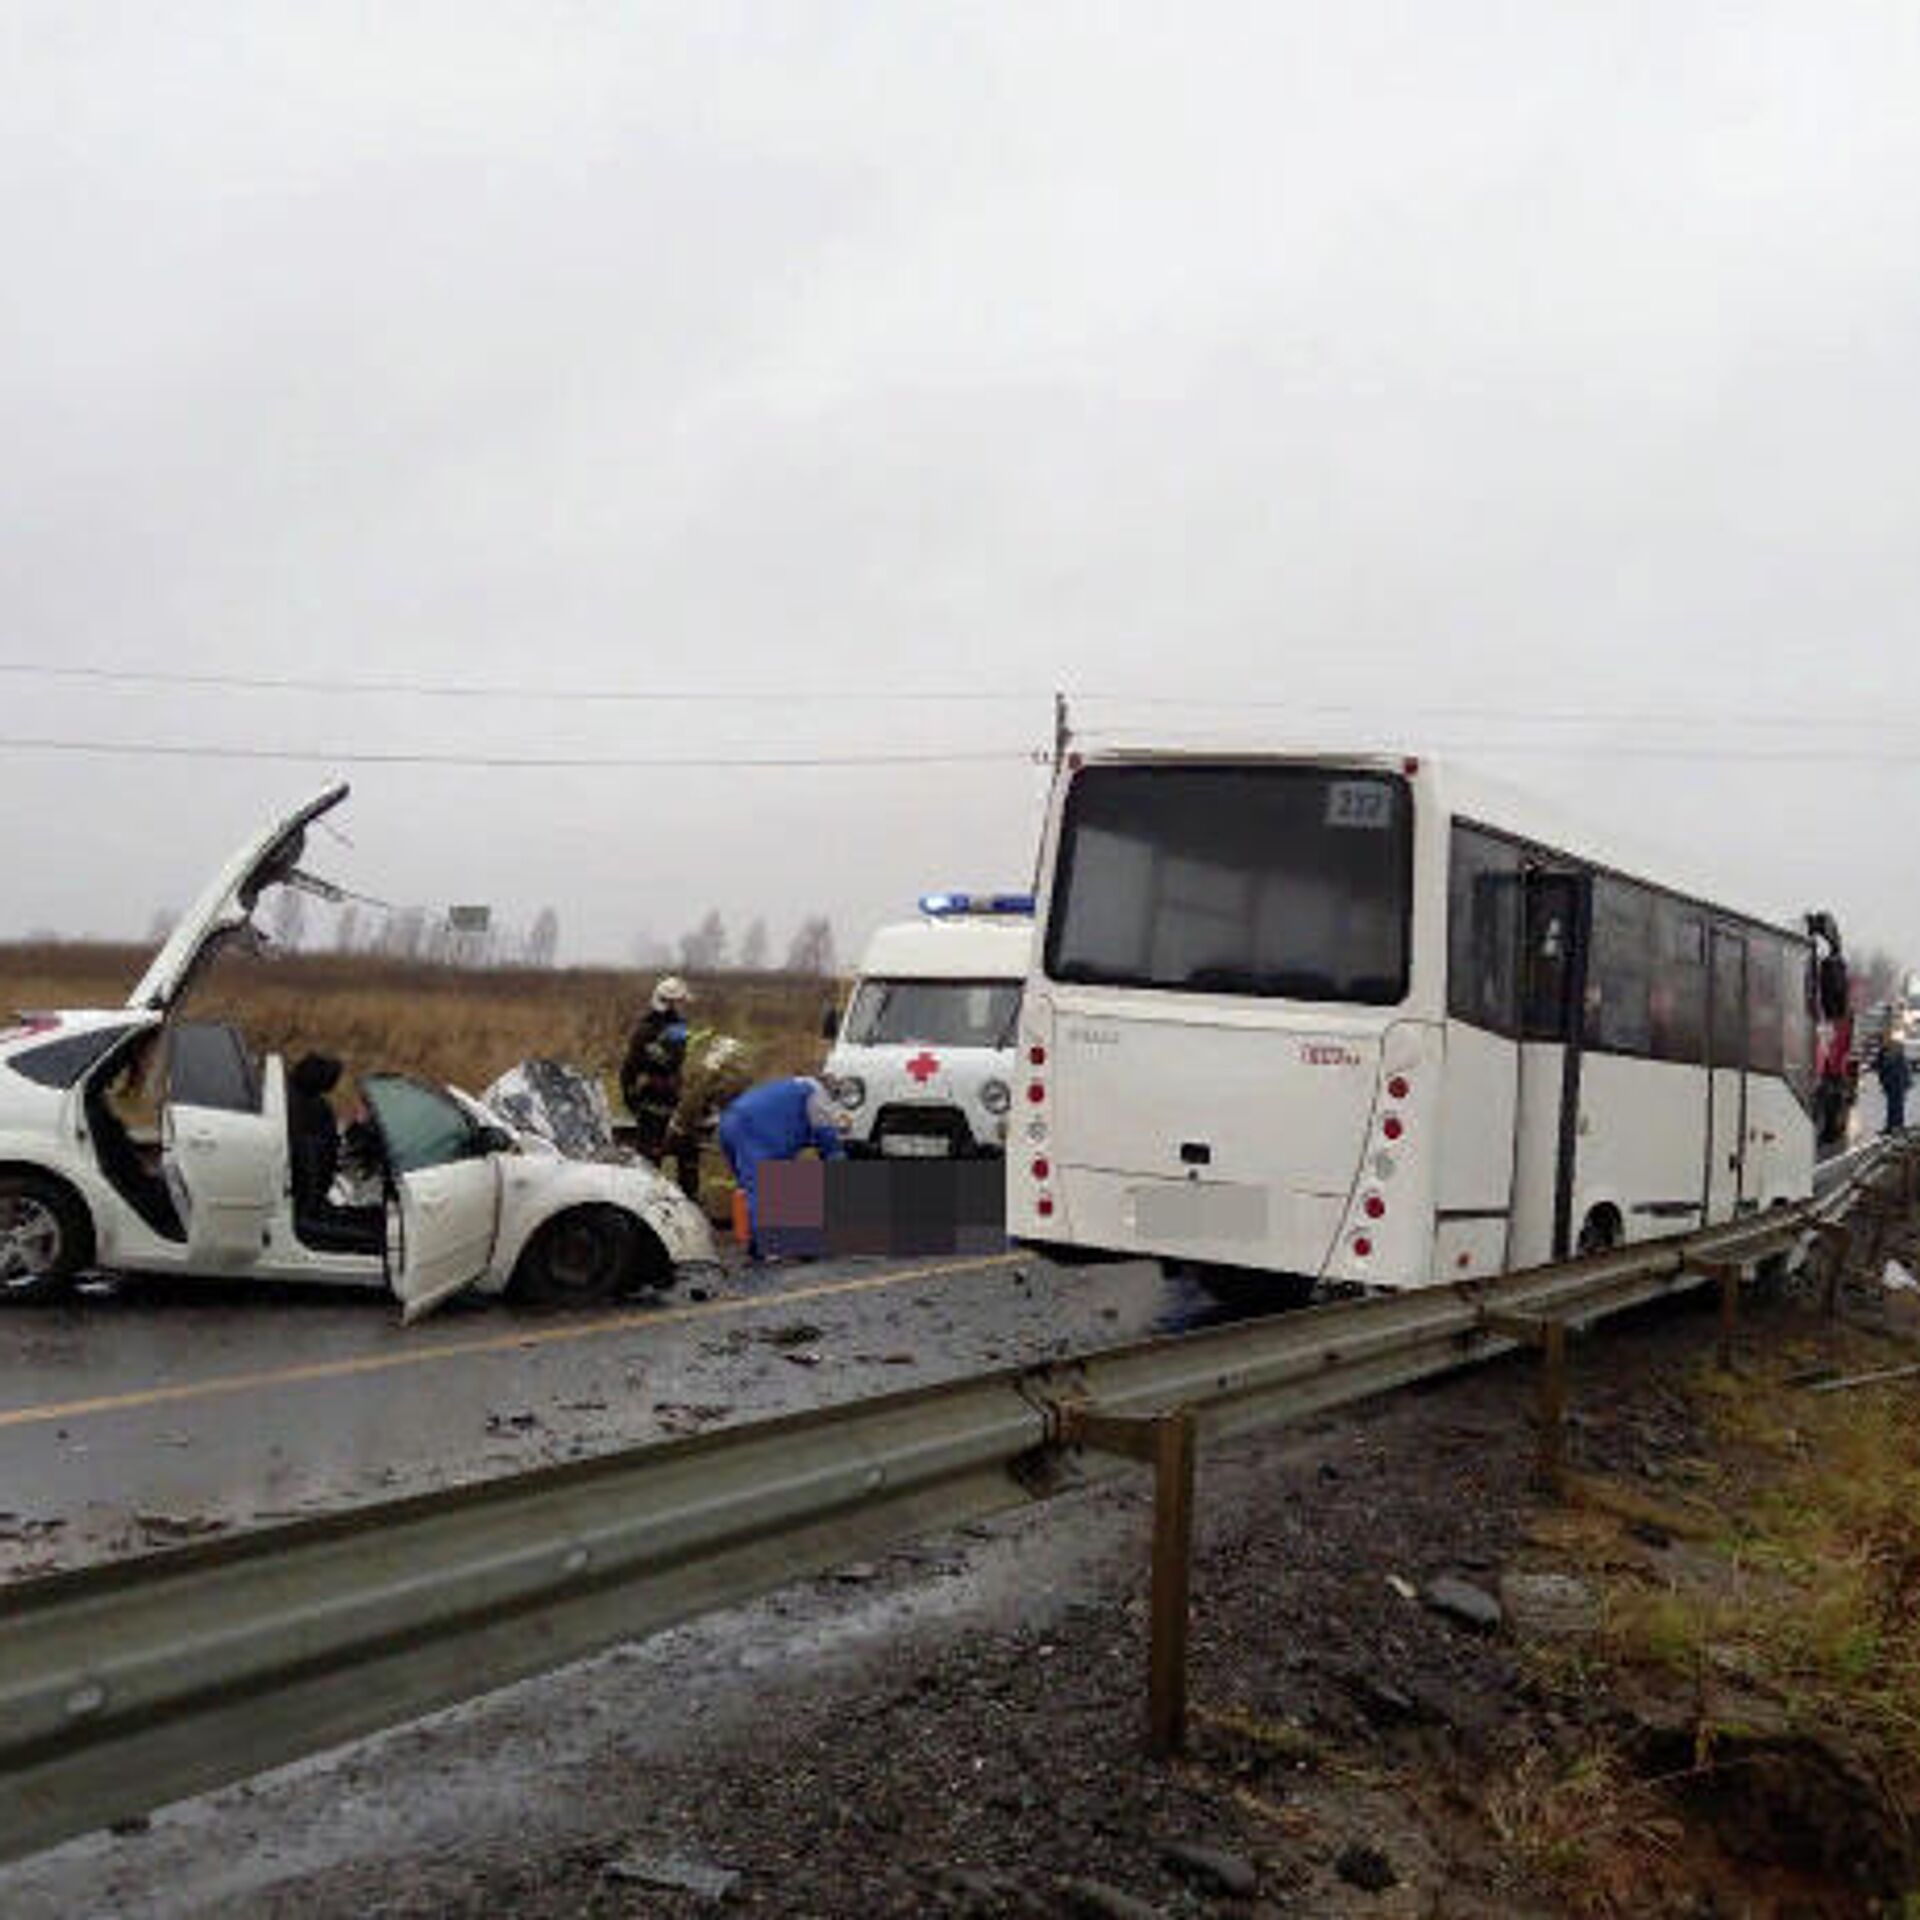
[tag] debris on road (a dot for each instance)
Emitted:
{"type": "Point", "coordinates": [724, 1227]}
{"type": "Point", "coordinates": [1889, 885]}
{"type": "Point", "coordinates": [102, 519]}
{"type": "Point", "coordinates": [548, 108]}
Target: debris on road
{"type": "Point", "coordinates": [1216, 1869]}
{"type": "Point", "coordinates": [1461, 1600]}
{"type": "Point", "coordinates": [1095, 1900]}
{"type": "Point", "coordinates": [680, 1417]}
{"type": "Point", "coordinates": [168, 1526]}
{"type": "Point", "coordinates": [522, 1422]}
{"type": "Point", "coordinates": [1366, 1868]}
{"type": "Point", "coordinates": [1548, 1606]}
{"type": "Point", "coordinates": [674, 1871]}
{"type": "Point", "coordinates": [797, 1333]}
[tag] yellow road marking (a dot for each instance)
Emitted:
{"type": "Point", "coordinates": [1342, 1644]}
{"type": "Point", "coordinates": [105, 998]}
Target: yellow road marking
{"type": "Point", "coordinates": [635, 1321]}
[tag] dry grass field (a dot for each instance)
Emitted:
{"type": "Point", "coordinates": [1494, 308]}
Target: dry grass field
{"type": "Point", "coordinates": [447, 1023]}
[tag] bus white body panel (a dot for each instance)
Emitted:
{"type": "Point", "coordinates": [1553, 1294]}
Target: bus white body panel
{"type": "Point", "coordinates": [1355, 1019]}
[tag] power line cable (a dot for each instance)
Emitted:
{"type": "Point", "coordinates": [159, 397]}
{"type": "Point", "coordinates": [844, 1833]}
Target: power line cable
{"type": "Point", "coordinates": [1624, 749]}
{"type": "Point", "coordinates": [837, 695]}
{"type": "Point", "coordinates": [364, 757]}
{"type": "Point", "coordinates": [1543, 717]}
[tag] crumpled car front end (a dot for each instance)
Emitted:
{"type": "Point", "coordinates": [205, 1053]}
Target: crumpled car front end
{"type": "Point", "coordinates": [561, 1111]}
{"type": "Point", "coordinates": [558, 1104]}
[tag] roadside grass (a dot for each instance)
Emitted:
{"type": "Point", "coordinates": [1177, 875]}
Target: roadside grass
{"type": "Point", "coordinates": [464, 1025]}
{"type": "Point", "coordinates": [1584, 1829]}
{"type": "Point", "coordinates": [1810, 1593]}
{"type": "Point", "coordinates": [1791, 1615]}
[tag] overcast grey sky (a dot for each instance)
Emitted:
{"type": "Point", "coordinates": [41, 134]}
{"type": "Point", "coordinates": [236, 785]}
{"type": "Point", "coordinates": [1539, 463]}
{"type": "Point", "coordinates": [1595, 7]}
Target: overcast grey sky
{"type": "Point", "coordinates": [1424, 365]}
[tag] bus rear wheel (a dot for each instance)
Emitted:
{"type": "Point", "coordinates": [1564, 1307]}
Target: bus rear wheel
{"type": "Point", "coordinates": [1599, 1233]}
{"type": "Point", "coordinates": [1251, 1289]}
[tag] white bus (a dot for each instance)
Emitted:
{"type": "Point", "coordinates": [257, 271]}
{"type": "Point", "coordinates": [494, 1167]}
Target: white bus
{"type": "Point", "coordinates": [1359, 1018]}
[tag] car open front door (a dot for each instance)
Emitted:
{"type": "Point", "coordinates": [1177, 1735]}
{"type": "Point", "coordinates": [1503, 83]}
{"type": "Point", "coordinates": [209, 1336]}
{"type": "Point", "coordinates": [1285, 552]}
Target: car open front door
{"type": "Point", "coordinates": [444, 1203]}
{"type": "Point", "coordinates": [440, 1232]}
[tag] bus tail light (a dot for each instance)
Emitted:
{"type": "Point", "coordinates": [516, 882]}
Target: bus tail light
{"type": "Point", "coordinates": [1397, 1088]}
{"type": "Point", "coordinates": [1041, 1169]}
{"type": "Point", "coordinates": [1362, 1246]}
{"type": "Point", "coordinates": [1036, 1092]}
{"type": "Point", "coordinates": [1373, 1206]}
{"type": "Point", "coordinates": [1036, 1055]}
{"type": "Point", "coordinates": [1044, 1206]}
{"type": "Point", "coordinates": [1392, 1127]}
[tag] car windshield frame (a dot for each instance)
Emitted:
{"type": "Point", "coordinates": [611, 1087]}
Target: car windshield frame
{"type": "Point", "coordinates": [885, 1005]}
{"type": "Point", "coordinates": [1140, 886]}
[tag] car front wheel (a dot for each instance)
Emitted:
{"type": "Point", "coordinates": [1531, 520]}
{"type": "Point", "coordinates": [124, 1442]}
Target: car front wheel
{"type": "Point", "coordinates": [578, 1259]}
{"type": "Point", "coordinates": [45, 1238]}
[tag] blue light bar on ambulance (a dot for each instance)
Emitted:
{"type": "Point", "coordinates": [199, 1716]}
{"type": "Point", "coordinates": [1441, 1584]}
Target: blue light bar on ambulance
{"type": "Point", "coordinates": [949, 906]}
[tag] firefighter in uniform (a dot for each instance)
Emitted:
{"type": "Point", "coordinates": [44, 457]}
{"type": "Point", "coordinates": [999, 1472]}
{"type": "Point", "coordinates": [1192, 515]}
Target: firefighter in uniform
{"type": "Point", "coordinates": [656, 1057]}
{"type": "Point", "coordinates": [718, 1070]}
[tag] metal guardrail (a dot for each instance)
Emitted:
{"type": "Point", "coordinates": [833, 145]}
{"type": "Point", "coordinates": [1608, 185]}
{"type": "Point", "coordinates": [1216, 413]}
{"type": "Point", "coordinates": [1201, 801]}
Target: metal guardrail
{"type": "Point", "coordinates": [130, 1685]}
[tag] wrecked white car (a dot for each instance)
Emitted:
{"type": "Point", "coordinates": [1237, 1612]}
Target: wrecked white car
{"type": "Point", "coordinates": [455, 1194]}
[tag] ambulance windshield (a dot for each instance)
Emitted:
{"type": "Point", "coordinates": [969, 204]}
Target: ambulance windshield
{"type": "Point", "coordinates": [945, 1013]}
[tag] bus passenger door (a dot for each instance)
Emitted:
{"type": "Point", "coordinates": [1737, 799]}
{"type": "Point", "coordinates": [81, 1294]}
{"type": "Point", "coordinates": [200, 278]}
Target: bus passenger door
{"type": "Point", "coordinates": [1546, 1133]}
{"type": "Point", "coordinates": [1726, 1181]}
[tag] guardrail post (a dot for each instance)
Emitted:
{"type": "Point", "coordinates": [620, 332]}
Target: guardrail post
{"type": "Point", "coordinates": [1553, 1406]}
{"type": "Point", "coordinates": [1726, 1275]}
{"type": "Point", "coordinates": [1836, 1238]}
{"type": "Point", "coordinates": [1172, 1581]}
{"type": "Point", "coordinates": [1550, 1337]}
{"type": "Point", "coordinates": [1165, 1442]}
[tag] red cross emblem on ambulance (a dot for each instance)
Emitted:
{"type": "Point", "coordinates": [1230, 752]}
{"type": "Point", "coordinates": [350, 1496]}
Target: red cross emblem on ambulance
{"type": "Point", "coordinates": [923, 1066]}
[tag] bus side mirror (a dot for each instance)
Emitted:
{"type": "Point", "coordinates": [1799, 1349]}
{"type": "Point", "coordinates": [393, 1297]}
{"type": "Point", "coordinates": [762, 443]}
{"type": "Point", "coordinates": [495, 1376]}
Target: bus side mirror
{"type": "Point", "coordinates": [830, 1022]}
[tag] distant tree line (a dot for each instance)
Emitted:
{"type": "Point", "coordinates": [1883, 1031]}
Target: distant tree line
{"type": "Point", "coordinates": [421, 934]}
{"type": "Point", "coordinates": [707, 948]}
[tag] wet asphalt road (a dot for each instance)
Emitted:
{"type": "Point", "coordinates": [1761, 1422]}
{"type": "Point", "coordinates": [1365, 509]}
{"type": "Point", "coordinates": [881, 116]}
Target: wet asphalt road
{"type": "Point", "coordinates": [144, 1414]}
{"type": "Point", "coordinates": [141, 1415]}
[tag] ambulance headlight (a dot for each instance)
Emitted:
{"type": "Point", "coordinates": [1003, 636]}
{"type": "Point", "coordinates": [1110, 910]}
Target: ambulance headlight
{"type": "Point", "coordinates": [851, 1091]}
{"type": "Point", "coordinates": [996, 1096]}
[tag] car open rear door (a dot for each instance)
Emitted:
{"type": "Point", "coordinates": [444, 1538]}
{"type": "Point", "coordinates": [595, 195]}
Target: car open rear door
{"type": "Point", "coordinates": [223, 1157]}
{"type": "Point", "coordinates": [440, 1231]}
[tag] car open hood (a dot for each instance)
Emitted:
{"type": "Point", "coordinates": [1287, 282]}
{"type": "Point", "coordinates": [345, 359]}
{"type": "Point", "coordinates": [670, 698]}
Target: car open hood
{"type": "Point", "coordinates": [226, 906]}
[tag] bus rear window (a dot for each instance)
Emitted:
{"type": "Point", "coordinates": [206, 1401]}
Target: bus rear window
{"type": "Point", "coordinates": [1285, 882]}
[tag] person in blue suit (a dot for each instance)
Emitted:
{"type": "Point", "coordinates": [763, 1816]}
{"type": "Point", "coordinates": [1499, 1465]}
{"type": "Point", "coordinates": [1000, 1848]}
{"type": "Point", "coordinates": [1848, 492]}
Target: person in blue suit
{"type": "Point", "coordinates": [777, 1120]}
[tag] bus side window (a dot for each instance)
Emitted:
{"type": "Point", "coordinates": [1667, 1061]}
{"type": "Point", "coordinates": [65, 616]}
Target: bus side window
{"type": "Point", "coordinates": [1796, 1019]}
{"type": "Point", "coordinates": [1679, 1004]}
{"type": "Point", "coordinates": [1552, 910]}
{"type": "Point", "coordinates": [1620, 968]}
{"type": "Point", "coordinates": [1483, 931]}
{"type": "Point", "coordinates": [1764, 1020]}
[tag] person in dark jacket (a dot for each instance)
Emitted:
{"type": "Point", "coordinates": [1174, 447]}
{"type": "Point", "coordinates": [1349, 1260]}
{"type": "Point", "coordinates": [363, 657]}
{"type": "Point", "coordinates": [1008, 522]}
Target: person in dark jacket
{"type": "Point", "coordinates": [313, 1142]}
{"type": "Point", "coordinates": [1895, 1073]}
{"type": "Point", "coordinates": [656, 1058]}
{"type": "Point", "coordinates": [777, 1120]}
